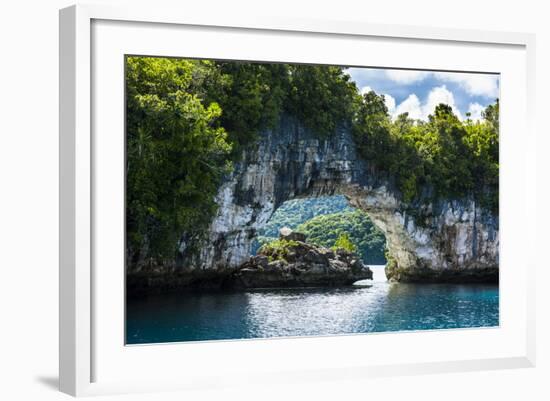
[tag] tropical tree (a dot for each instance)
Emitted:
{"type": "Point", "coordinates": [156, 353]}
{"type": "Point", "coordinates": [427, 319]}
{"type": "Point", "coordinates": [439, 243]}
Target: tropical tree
{"type": "Point", "coordinates": [343, 242]}
{"type": "Point", "coordinates": [176, 155]}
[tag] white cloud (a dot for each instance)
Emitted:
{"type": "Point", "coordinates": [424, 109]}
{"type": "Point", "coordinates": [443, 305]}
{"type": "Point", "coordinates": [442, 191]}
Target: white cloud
{"type": "Point", "coordinates": [390, 102]}
{"type": "Point", "coordinates": [475, 84]}
{"type": "Point", "coordinates": [406, 76]}
{"type": "Point", "coordinates": [437, 95]}
{"type": "Point", "coordinates": [475, 110]}
{"type": "Point", "coordinates": [418, 110]}
{"type": "Point", "coordinates": [410, 105]}
{"type": "Point", "coordinates": [365, 90]}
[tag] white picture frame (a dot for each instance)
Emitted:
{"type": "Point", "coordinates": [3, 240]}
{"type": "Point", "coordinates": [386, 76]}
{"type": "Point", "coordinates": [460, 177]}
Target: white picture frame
{"type": "Point", "coordinates": [85, 328]}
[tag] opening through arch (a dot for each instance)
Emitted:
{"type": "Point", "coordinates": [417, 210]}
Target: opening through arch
{"type": "Point", "coordinates": [324, 220]}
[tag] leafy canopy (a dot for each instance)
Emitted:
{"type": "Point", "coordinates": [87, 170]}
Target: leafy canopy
{"type": "Point", "coordinates": [176, 155]}
{"type": "Point", "coordinates": [441, 158]}
{"type": "Point", "coordinates": [188, 120]}
{"type": "Point", "coordinates": [355, 225]}
{"type": "Point", "coordinates": [343, 242]}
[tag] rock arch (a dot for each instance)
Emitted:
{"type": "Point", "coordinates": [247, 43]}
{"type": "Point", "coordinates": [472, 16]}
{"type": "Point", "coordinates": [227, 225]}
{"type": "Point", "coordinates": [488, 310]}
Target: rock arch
{"type": "Point", "coordinates": [458, 241]}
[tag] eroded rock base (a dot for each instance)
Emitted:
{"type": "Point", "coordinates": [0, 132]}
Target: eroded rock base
{"type": "Point", "coordinates": [489, 275]}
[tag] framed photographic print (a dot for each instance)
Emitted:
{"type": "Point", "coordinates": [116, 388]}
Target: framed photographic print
{"type": "Point", "coordinates": [291, 199]}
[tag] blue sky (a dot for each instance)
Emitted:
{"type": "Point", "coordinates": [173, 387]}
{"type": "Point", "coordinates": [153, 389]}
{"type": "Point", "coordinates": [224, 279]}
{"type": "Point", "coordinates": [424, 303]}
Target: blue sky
{"type": "Point", "coordinates": [418, 92]}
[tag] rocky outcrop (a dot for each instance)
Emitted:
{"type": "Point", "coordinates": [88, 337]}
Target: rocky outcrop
{"type": "Point", "coordinates": [299, 264]}
{"type": "Point", "coordinates": [456, 242]}
{"type": "Point", "coordinates": [449, 240]}
{"type": "Point", "coordinates": [288, 234]}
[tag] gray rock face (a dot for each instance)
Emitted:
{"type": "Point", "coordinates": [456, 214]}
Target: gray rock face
{"type": "Point", "coordinates": [457, 240]}
{"type": "Point", "coordinates": [299, 264]}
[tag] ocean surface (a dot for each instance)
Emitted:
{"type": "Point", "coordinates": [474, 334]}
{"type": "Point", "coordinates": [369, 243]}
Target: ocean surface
{"type": "Point", "coordinates": [371, 306]}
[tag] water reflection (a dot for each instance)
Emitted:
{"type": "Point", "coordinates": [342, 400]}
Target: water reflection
{"type": "Point", "coordinates": [380, 306]}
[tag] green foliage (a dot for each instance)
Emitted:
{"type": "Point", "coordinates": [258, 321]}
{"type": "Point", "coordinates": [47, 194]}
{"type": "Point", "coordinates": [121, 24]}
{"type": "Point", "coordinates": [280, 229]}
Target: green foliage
{"type": "Point", "coordinates": [325, 230]}
{"type": "Point", "coordinates": [277, 249]}
{"type": "Point", "coordinates": [294, 212]}
{"type": "Point", "coordinates": [371, 130]}
{"type": "Point", "coordinates": [254, 95]}
{"type": "Point", "coordinates": [391, 265]}
{"type": "Point", "coordinates": [321, 97]}
{"type": "Point", "coordinates": [175, 155]}
{"type": "Point", "coordinates": [251, 100]}
{"type": "Point", "coordinates": [343, 242]}
{"type": "Point", "coordinates": [323, 219]}
{"type": "Point", "coordinates": [491, 115]}
{"type": "Point", "coordinates": [188, 119]}
{"type": "Point", "coordinates": [443, 157]}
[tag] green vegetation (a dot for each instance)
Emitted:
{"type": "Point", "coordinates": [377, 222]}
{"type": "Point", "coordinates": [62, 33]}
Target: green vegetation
{"type": "Point", "coordinates": [335, 230]}
{"type": "Point", "coordinates": [343, 242]}
{"type": "Point", "coordinates": [323, 220]}
{"type": "Point", "coordinates": [321, 97]}
{"type": "Point", "coordinates": [277, 249]}
{"type": "Point", "coordinates": [441, 158]}
{"type": "Point", "coordinates": [294, 212]}
{"type": "Point", "coordinates": [189, 120]}
{"type": "Point", "coordinates": [176, 154]}
{"type": "Point", "coordinates": [253, 96]}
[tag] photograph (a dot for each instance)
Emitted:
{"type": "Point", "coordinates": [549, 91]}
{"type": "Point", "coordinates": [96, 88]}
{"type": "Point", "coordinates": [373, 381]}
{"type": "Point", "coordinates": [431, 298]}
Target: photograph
{"type": "Point", "coordinates": [270, 199]}
{"type": "Point", "coordinates": [244, 200]}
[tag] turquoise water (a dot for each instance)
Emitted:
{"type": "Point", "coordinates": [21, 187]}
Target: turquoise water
{"type": "Point", "coordinates": [377, 307]}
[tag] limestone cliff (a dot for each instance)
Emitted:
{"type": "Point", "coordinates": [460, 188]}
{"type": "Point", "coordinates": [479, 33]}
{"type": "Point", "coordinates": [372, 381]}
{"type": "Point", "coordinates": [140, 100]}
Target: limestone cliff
{"type": "Point", "coordinates": [453, 240]}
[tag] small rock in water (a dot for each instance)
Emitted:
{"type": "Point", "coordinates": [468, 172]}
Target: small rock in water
{"type": "Point", "coordinates": [299, 264]}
